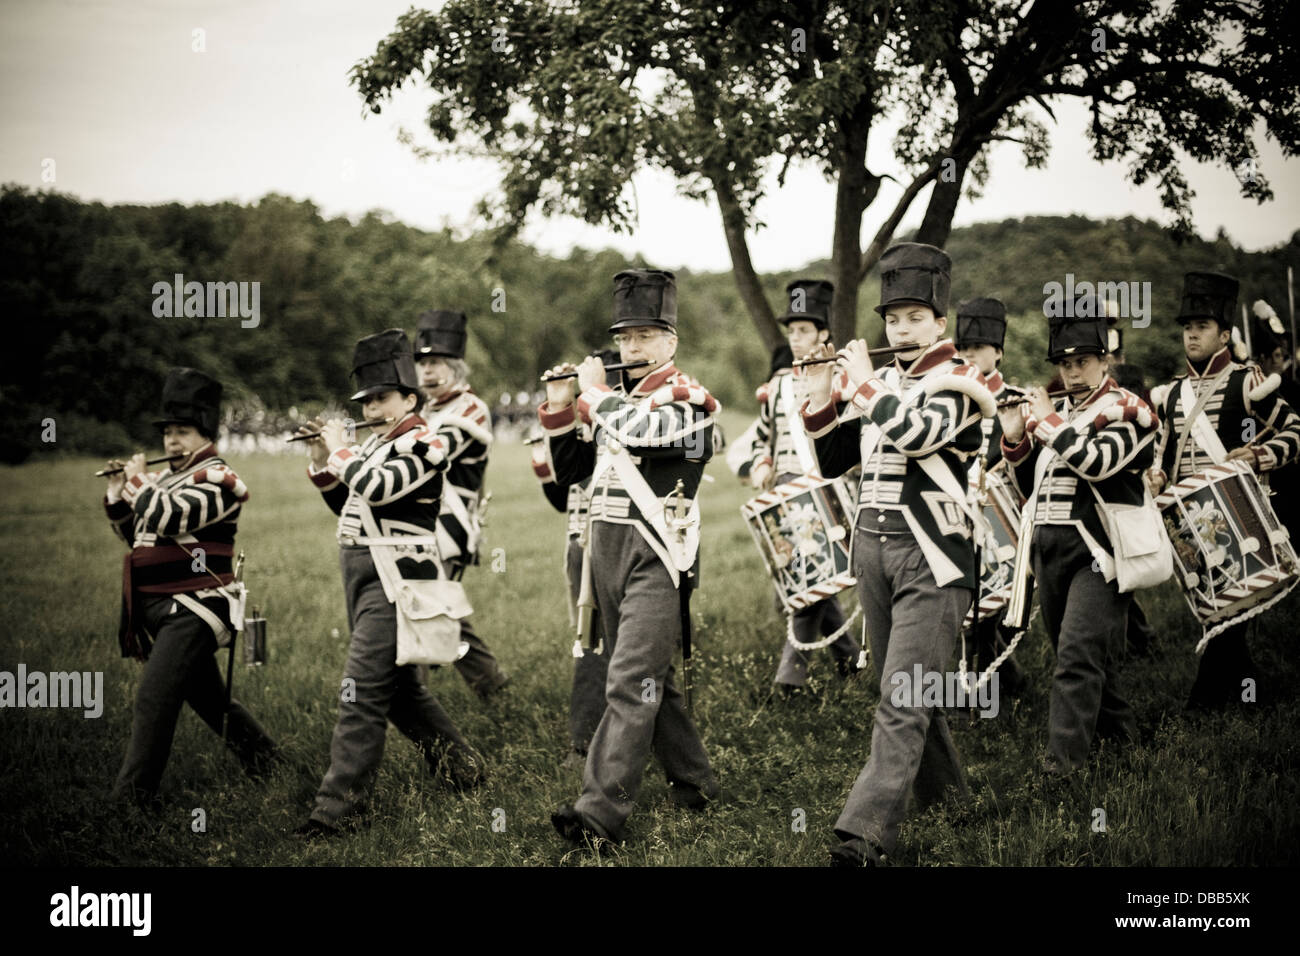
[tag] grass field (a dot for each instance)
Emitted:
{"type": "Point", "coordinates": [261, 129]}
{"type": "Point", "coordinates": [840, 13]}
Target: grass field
{"type": "Point", "coordinates": [1201, 791]}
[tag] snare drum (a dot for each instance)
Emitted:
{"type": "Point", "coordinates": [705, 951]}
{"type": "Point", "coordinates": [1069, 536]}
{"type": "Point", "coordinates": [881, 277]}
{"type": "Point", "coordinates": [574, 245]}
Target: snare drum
{"type": "Point", "coordinates": [1000, 531]}
{"type": "Point", "coordinates": [1232, 555]}
{"type": "Point", "coordinates": [802, 529]}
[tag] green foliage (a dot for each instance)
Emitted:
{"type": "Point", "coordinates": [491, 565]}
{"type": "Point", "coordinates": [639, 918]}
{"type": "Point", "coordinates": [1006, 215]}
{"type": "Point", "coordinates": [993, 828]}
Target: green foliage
{"type": "Point", "coordinates": [573, 99]}
{"type": "Point", "coordinates": [76, 284]}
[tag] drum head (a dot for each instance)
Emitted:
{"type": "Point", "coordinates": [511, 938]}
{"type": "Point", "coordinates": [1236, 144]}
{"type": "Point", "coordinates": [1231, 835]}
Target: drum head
{"type": "Point", "coordinates": [802, 529]}
{"type": "Point", "coordinates": [1229, 548]}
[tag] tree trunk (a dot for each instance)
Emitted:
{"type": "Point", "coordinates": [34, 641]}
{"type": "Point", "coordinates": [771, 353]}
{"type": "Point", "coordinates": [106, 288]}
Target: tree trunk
{"type": "Point", "coordinates": [846, 244]}
{"type": "Point", "coordinates": [937, 224]}
{"type": "Point", "coordinates": [742, 267]}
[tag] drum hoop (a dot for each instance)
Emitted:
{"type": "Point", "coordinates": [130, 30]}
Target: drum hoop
{"type": "Point", "coordinates": [1210, 611]}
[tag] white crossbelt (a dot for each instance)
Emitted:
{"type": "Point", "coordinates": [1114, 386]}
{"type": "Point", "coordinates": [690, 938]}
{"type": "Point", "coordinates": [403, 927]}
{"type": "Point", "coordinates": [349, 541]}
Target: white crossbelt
{"type": "Point", "coordinates": [798, 436]}
{"type": "Point", "coordinates": [682, 547]}
{"type": "Point", "coordinates": [1205, 436]}
{"type": "Point", "coordinates": [362, 540]}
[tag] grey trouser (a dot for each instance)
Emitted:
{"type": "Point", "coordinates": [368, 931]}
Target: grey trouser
{"type": "Point", "coordinates": [181, 668]}
{"type": "Point", "coordinates": [479, 667]}
{"type": "Point", "coordinates": [644, 709]}
{"type": "Point", "coordinates": [587, 700]}
{"type": "Point", "coordinates": [1086, 619]}
{"type": "Point", "coordinates": [1224, 666]}
{"type": "Point", "coordinates": [810, 624]}
{"type": "Point", "coordinates": [910, 620]}
{"type": "Point", "coordinates": [1141, 635]}
{"type": "Point", "coordinates": [383, 692]}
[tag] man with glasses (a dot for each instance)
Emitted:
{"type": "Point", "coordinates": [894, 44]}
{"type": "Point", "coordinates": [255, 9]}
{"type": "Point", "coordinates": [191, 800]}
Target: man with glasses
{"type": "Point", "coordinates": [650, 436]}
{"type": "Point", "coordinates": [464, 425]}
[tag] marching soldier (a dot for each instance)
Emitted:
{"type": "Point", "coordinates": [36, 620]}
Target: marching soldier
{"type": "Point", "coordinates": [1140, 635]}
{"type": "Point", "coordinates": [915, 429]}
{"type": "Point", "coordinates": [381, 490]}
{"type": "Point", "coordinates": [1064, 459]}
{"type": "Point", "coordinates": [463, 423]}
{"type": "Point", "coordinates": [177, 610]}
{"type": "Point", "coordinates": [590, 665]}
{"type": "Point", "coordinates": [1207, 414]}
{"type": "Point", "coordinates": [782, 452]}
{"type": "Point", "coordinates": [650, 438]}
{"type": "Point", "coordinates": [980, 336]}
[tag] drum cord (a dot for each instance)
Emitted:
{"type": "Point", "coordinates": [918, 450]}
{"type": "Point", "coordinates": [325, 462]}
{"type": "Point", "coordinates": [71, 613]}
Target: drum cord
{"type": "Point", "coordinates": [997, 661]}
{"type": "Point", "coordinates": [825, 641]}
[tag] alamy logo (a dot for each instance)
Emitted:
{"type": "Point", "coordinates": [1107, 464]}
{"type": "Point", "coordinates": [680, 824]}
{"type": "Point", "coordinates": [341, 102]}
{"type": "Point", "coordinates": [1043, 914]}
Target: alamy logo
{"type": "Point", "coordinates": [1132, 300]}
{"type": "Point", "coordinates": [75, 908]}
{"type": "Point", "coordinates": [82, 689]}
{"type": "Point", "coordinates": [211, 300]}
{"type": "Point", "coordinates": [922, 688]}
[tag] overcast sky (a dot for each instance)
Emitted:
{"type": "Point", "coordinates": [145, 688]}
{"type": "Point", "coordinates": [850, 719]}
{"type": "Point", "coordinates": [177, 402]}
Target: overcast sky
{"type": "Point", "coordinates": [116, 96]}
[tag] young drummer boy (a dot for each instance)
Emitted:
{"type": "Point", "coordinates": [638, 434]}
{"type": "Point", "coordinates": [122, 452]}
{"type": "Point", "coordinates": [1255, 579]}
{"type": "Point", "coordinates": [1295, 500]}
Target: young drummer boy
{"type": "Point", "coordinates": [784, 451]}
{"type": "Point", "coordinates": [1217, 411]}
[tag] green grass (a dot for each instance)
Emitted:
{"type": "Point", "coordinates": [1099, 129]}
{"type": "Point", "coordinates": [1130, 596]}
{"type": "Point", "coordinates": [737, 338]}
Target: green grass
{"type": "Point", "coordinates": [1199, 792]}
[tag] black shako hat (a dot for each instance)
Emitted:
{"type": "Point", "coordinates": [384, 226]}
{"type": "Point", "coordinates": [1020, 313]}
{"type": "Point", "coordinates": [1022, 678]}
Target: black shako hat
{"type": "Point", "coordinates": [915, 272]}
{"type": "Point", "coordinates": [645, 297]}
{"type": "Point", "coordinates": [782, 357]}
{"type": "Point", "coordinates": [1208, 295]}
{"type": "Point", "coordinates": [191, 398]}
{"type": "Point", "coordinates": [1267, 331]}
{"type": "Point", "coordinates": [440, 332]}
{"type": "Point", "coordinates": [1083, 333]}
{"type": "Point", "coordinates": [384, 361]}
{"type": "Point", "coordinates": [810, 301]}
{"type": "Point", "coordinates": [981, 321]}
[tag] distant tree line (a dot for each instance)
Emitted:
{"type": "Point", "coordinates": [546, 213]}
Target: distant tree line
{"type": "Point", "coordinates": [86, 347]}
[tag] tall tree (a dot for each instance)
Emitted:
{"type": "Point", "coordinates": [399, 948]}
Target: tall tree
{"type": "Point", "coordinates": [573, 98]}
{"type": "Point", "coordinates": [1191, 76]}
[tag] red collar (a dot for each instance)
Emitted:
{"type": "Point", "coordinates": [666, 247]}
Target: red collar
{"type": "Point", "coordinates": [994, 381]}
{"type": "Point", "coordinates": [934, 356]}
{"type": "Point", "coordinates": [1218, 362]}
{"type": "Point", "coordinates": [655, 379]}
{"type": "Point", "coordinates": [411, 421]}
{"type": "Point", "coordinates": [450, 397]}
{"type": "Point", "coordinates": [204, 453]}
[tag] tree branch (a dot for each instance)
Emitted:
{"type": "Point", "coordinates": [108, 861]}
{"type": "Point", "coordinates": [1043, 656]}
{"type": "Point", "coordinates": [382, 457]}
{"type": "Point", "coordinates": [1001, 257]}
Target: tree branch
{"type": "Point", "coordinates": [742, 266]}
{"type": "Point", "coordinates": [886, 231]}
